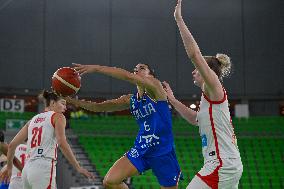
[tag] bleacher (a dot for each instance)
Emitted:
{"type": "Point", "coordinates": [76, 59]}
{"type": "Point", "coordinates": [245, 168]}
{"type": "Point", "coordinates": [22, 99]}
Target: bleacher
{"type": "Point", "coordinates": [260, 140]}
{"type": "Point", "coordinates": [25, 116]}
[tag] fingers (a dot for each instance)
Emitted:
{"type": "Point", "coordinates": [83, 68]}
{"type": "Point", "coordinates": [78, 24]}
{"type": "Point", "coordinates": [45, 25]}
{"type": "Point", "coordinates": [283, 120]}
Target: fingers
{"type": "Point", "coordinates": [67, 98]}
{"type": "Point", "coordinates": [7, 180]}
{"type": "Point", "coordinates": [92, 176]}
{"type": "Point", "coordinates": [88, 174]}
{"type": "Point", "coordinates": [76, 64]}
{"type": "Point", "coordinates": [82, 72]}
{"type": "Point", "coordinates": [79, 68]}
{"type": "Point", "coordinates": [4, 177]}
{"type": "Point", "coordinates": [167, 86]}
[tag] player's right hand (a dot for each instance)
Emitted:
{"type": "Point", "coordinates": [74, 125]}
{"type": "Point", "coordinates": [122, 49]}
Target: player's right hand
{"type": "Point", "coordinates": [83, 69]}
{"type": "Point", "coordinates": [86, 173]}
{"type": "Point", "coordinates": [5, 175]}
{"type": "Point", "coordinates": [177, 13]}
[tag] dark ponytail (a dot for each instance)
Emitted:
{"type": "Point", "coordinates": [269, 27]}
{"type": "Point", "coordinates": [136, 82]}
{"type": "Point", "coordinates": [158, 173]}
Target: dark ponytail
{"type": "Point", "coordinates": [48, 96]}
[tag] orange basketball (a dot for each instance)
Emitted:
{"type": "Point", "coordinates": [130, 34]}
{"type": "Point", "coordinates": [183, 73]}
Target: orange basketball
{"type": "Point", "coordinates": [66, 81]}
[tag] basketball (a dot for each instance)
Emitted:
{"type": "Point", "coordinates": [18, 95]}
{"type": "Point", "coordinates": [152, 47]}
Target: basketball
{"type": "Point", "coordinates": [66, 81]}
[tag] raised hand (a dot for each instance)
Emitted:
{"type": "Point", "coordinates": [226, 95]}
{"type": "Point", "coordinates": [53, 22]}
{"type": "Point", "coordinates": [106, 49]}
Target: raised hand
{"type": "Point", "coordinates": [177, 13]}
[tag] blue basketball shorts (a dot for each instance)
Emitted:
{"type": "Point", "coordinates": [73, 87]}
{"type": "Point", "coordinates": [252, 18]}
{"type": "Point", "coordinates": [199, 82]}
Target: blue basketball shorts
{"type": "Point", "coordinates": [4, 186]}
{"type": "Point", "coordinates": [164, 167]}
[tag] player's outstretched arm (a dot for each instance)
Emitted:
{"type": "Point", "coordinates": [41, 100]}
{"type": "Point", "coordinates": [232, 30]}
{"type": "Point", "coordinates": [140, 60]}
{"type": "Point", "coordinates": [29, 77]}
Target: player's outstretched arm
{"type": "Point", "coordinates": [18, 139]}
{"type": "Point", "coordinates": [60, 123]}
{"type": "Point", "coordinates": [188, 114]}
{"type": "Point", "coordinates": [152, 85]}
{"type": "Point", "coordinates": [194, 52]}
{"type": "Point", "coordinates": [16, 161]}
{"type": "Point", "coordinates": [117, 73]}
{"type": "Point", "coordinates": [118, 104]}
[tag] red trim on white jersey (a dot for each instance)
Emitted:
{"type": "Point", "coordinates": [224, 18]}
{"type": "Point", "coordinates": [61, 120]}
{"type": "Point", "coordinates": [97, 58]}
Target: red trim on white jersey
{"type": "Point", "coordinates": [212, 179]}
{"type": "Point", "coordinates": [215, 102]}
{"type": "Point", "coordinates": [51, 173]}
{"type": "Point", "coordinates": [52, 120]}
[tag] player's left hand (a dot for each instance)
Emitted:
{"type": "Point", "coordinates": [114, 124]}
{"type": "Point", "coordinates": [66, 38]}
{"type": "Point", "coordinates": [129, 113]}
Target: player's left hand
{"type": "Point", "coordinates": [86, 173]}
{"type": "Point", "coordinates": [168, 90]}
{"type": "Point", "coordinates": [83, 69]}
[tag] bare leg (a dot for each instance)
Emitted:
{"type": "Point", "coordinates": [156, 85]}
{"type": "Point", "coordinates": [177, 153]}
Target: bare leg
{"type": "Point", "coordinates": [120, 170]}
{"type": "Point", "coordinates": [196, 182]}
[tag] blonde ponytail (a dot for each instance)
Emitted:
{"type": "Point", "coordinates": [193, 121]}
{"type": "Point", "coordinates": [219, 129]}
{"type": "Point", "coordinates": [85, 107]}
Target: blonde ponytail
{"type": "Point", "coordinates": [225, 63]}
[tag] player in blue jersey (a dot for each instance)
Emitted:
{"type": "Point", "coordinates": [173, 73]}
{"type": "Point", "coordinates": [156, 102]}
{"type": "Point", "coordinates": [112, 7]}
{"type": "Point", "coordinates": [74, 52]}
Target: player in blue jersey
{"type": "Point", "coordinates": [154, 144]}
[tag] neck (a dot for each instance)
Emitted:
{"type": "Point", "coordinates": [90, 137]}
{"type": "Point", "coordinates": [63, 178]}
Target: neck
{"type": "Point", "coordinates": [140, 91]}
{"type": "Point", "coordinates": [47, 109]}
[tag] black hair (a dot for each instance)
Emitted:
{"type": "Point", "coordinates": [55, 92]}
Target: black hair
{"type": "Point", "coordinates": [152, 71]}
{"type": "Point", "coordinates": [2, 136]}
{"type": "Point", "coordinates": [48, 96]}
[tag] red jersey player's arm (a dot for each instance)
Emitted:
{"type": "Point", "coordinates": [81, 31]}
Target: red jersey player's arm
{"type": "Point", "coordinates": [60, 124]}
{"type": "Point", "coordinates": [18, 139]}
{"type": "Point", "coordinates": [212, 83]}
{"type": "Point", "coordinates": [188, 114]}
{"type": "Point", "coordinates": [16, 161]}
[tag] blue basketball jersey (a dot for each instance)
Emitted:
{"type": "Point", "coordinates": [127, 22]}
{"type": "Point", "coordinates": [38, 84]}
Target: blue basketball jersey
{"type": "Point", "coordinates": [155, 135]}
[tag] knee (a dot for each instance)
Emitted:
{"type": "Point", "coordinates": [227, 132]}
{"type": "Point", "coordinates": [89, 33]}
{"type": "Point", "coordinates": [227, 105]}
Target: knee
{"type": "Point", "coordinates": [108, 182]}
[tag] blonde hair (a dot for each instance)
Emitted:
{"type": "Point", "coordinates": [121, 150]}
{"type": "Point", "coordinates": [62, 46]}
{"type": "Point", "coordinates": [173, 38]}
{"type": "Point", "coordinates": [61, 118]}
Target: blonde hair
{"type": "Point", "coordinates": [220, 64]}
{"type": "Point", "coordinates": [225, 63]}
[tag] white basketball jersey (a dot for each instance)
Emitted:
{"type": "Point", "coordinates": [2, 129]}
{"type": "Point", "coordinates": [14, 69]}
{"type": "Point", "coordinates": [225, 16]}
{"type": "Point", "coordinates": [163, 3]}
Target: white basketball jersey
{"type": "Point", "coordinates": [20, 153]}
{"type": "Point", "coordinates": [42, 142]}
{"type": "Point", "coordinates": [216, 129]}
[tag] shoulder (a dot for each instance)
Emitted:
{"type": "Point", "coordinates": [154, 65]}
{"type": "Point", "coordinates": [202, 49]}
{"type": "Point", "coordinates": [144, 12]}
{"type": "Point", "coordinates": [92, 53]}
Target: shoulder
{"type": "Point", "coordinates": [57, 117]}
